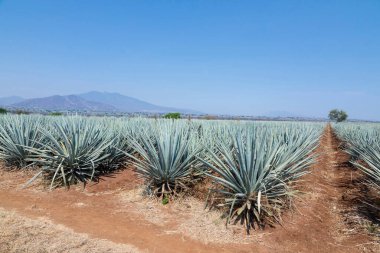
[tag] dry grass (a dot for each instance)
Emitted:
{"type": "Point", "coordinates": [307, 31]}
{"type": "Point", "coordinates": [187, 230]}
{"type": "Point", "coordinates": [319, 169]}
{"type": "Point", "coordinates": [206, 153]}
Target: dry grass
{"type": "Point", "coordinates": [186, 216]}
{"type": "Point", "coordinates": [20, 234]}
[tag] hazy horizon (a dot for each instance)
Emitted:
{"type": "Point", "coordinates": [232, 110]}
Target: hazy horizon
{"type": "Point", "coordinates": [219, 57]}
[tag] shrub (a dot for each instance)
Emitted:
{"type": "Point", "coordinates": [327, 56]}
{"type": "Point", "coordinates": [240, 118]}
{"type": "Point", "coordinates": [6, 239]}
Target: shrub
{"type": "Point", "coordinates": [172, 115]}
{"type": "Point", "coordinates": [3, 111]}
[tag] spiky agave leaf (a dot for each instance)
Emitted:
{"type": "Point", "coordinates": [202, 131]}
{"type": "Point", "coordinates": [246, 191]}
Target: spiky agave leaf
{"type": "Point", "coordinates": [74, 153]}
{"type": "Point", "coordinates": [251, 176]}
{"type": "Point", "coordinates": [362, 143]}
{"type": "Point", "coordinates": [357, 138]}
{"type": "Point", "coordinates": [371, 158]}
{"type": "Point", "coordinates": [116, 157]}
{"type": "Point", "coordinates": [17, 135]}
{"type": "Point", "coordinates": [164, 158]}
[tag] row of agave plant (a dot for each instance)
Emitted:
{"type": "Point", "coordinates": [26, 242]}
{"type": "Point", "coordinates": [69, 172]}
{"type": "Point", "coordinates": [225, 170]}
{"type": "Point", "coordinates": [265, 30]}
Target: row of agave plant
{"type": "Point", "coordinates": [362, 142]}
{"type": "Point", "coordinates": [252, 165]}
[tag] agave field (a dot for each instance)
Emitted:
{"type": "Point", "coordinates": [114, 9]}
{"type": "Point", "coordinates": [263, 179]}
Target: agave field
{"type": "Point", "coordinates": [362, 142]}
{"type": "Point", "coordinates": [249, 174]}
{"type": "Point", "coordinates": [252, 166]}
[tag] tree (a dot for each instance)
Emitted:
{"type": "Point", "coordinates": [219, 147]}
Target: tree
{"type": "Point", "coordinates": [338, 115]}
{"type": "Point", "coordinates": [3, 111]}
{"type": "Point", "coordinates": [172, 115]}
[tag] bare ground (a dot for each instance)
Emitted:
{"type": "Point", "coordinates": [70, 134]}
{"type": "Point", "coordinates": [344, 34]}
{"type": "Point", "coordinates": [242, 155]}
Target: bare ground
{"type": "Point", "coordinates": [21, 234]}
{"type": "Point", "coordinates": [112, 216]}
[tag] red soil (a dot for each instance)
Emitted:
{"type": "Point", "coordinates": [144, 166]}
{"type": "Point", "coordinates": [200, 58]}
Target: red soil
{"type": "Point", "coordinates": [316, 226]}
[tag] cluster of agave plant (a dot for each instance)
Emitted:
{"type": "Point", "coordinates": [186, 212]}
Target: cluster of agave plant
{"type": "Point", "coordinates": [252, 165]}
{"type": "Point", "coordinates": [362, 142]}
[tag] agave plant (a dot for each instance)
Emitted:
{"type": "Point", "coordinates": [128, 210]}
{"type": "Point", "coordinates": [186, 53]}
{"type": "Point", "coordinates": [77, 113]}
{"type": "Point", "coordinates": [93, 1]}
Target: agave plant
{"type": "Point", "coordinates": [72, 153]}
{"type": "Point", "coordinates": [17, 135]}
{"type": "Point", "coordinates": [252, 175]}
{"type": "Point", "coordinates": [362, 143]}
{"type": "Point", "coordinates": [371, 168]}
{"type": "Point", "coordinates": [116, 157]}
{"type": "Point", "coordinates": [165, 158]}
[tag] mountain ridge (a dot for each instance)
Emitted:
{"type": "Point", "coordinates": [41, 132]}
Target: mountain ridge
{"type": "Point", "coordinates": [57, 102]}
{"type": "Point", "coordinates": [93, 101]}
{"type": "Point", "coordinates": [129, 104]}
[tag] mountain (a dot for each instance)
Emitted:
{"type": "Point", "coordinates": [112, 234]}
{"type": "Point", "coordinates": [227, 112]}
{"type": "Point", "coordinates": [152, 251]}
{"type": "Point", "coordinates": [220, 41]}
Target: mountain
{"type": "Point", "coordinates": [5, 101]}
{"type": "Point", "coordinates": [129, 104]}
{"type": "Point", "coordinates": [93, 101]}
{"type": "Point", "coordinates": [63, 103]}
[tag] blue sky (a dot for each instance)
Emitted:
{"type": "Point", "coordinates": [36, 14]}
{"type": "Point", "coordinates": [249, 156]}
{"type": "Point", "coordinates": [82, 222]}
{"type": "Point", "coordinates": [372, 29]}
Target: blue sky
{"type": "Point", "coordinates": [217, 56]}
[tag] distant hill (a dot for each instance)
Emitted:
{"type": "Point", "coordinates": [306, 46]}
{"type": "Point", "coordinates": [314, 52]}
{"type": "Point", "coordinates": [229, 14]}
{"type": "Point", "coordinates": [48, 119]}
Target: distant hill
{"type": "Point", "coordinates": [129, 104]}
{"type": "Point", "coordinates": [93, 101]}
{"type": "Point", "coordinates": [59, 103]}
{"type": "Point", "coordinates": [5, 101]}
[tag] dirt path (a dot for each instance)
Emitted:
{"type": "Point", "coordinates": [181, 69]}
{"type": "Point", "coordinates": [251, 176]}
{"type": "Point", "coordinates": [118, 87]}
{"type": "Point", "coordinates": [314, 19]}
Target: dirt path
{"type": "Point", "coordinates": [319, 226]}
{"type": "Point", "coordinates": [316, 226]}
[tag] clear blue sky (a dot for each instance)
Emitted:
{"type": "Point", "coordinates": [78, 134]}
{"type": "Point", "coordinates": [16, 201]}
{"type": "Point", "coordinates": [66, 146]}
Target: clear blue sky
{"type": "Point", "coordinates": [216, 56]}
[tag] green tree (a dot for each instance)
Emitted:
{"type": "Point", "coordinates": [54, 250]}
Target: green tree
{"type": "Point", "coordinates": [338, 115]}
{"type": "Point", "coordinates": [3, 110]}
{"type": "Point", "coordinates": [172, 115]}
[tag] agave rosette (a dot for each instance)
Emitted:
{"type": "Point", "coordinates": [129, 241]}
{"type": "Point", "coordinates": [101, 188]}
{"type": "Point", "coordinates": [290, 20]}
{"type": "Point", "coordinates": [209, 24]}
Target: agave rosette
{"type": "Point", "coordinates": [17, 135]}
{"type": "Point", "coordinates": [252, 175]}
{"type": "Point", "coordinates": [165, 158]}
{"type": "Point", "coordinates": [72, 153]}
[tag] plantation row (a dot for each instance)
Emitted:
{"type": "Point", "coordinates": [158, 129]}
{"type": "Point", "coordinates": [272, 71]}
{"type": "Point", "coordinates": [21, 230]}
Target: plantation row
{"type": "Point", "coordinates": [362, 142]}
{"type": "Point", "coordinates": [251, 165]}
